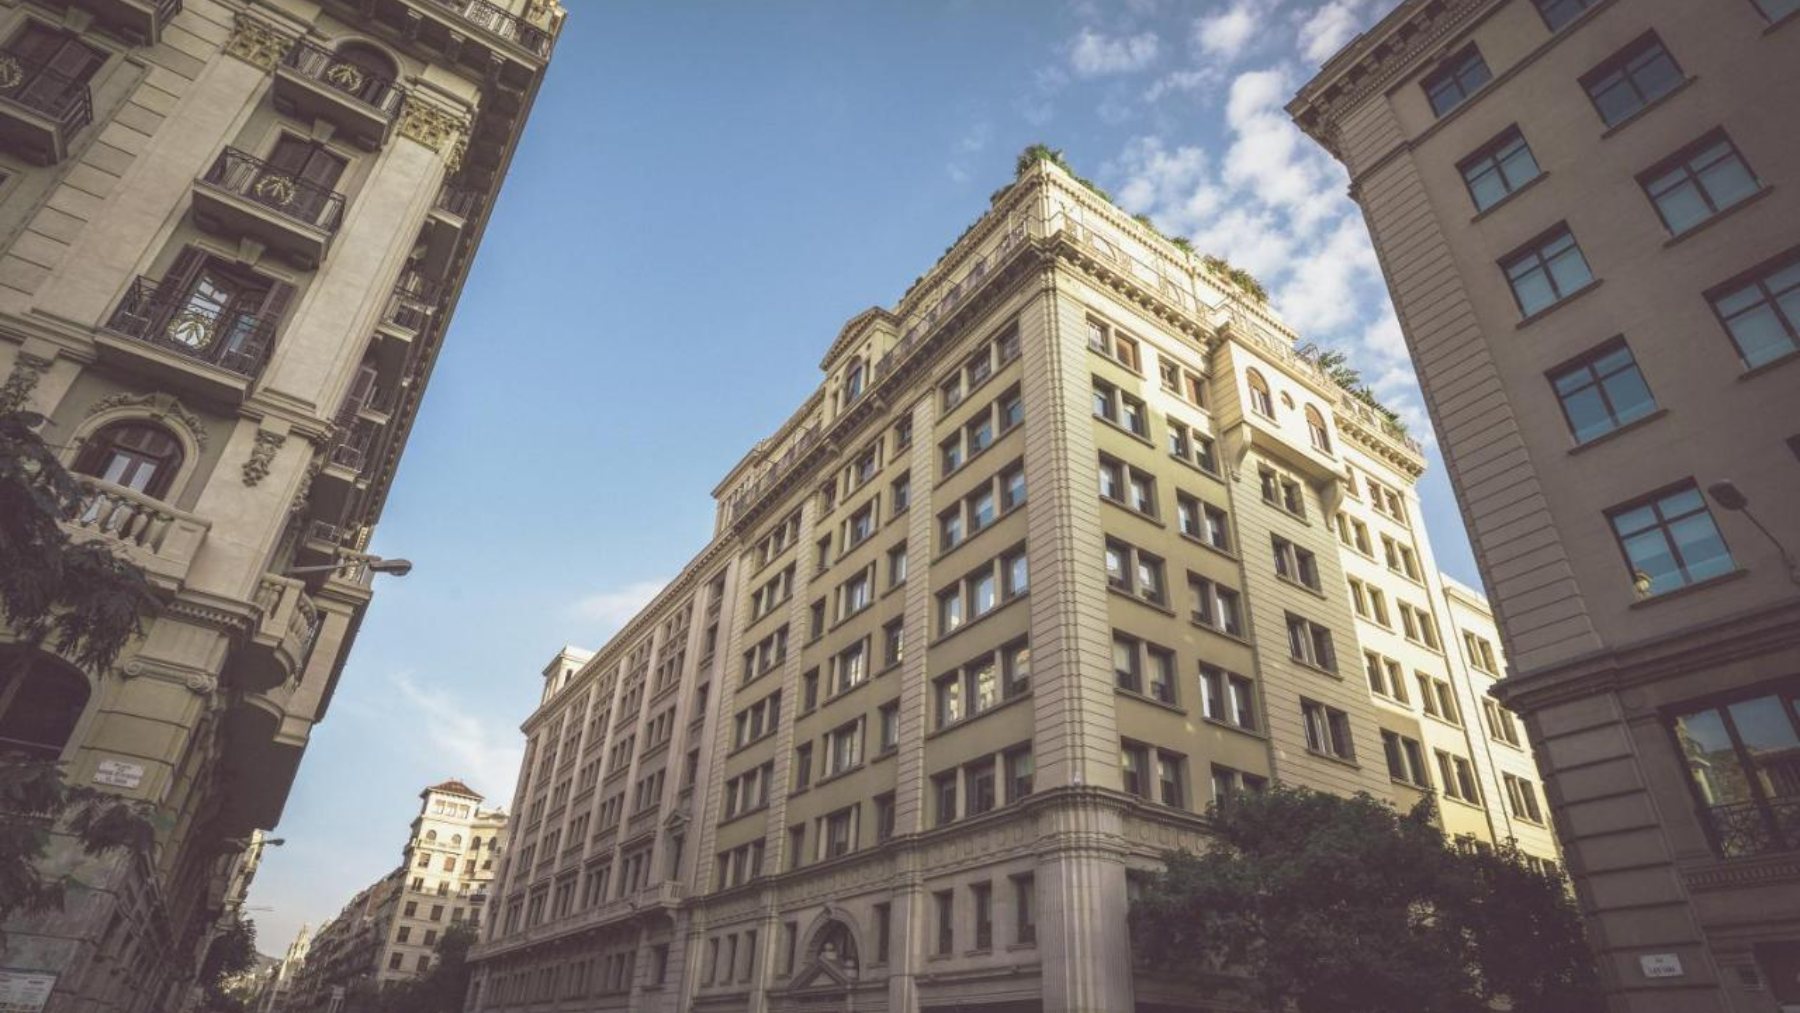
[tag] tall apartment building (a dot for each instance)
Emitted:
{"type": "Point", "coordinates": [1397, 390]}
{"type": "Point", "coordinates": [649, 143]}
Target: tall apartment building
{"type": "Point", "coordinates": [277, 987]}
{"type": "Point", "coordinates": [231, 235]}
{"type": "Point", "coordinates": [389, 932]}
{"type": "Point", "coordinates": [1586, 214]}
{"type": "Point", "coordinates": [1064, 547]}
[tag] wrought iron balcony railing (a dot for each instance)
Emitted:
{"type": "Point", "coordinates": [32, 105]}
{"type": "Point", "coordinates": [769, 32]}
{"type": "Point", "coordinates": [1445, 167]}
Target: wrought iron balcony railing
{"type": "Point", "coordinates": [458, 201]}
{"type": "Point", "coordinates": [255, 180]}
{"type": "Point", "coordinates": [317, 63]}
{"type": "Point", "coordinates": [1744, 829]}
{"type": "Point", "coordinates": [500, 22]}
{"type": "Point", "coordinates": [162, 314]}
{"type": "Point", "coordinates": [355, 444]}
{"type": "Point", "coordinates": [34, 85]}
{"type": "Point", "coordinates": [414, 299]}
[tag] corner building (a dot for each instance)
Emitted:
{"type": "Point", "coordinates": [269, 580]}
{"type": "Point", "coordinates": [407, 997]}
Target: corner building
{"type": "Point", "coordinates": [1065, 546]}
{"type": "Point", "coordinates": [1586, 215]}
{"type": "Point", "coordinates": [231, 237]}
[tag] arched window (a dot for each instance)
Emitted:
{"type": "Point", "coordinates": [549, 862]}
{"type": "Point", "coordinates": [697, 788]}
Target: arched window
{"type": "Point", "coordinates": [475, 842]}
{"type": "Point", "coordinates": [136, 455]}
{"type": "Point", "coordinates": [854, 378]}
{"type": "Point", "coordinates": [456, 840]}
{"type": "Point", "coordinates": [41, 699]}
{"type": "Point", "coordinates": [1315, 425]}
{"type": "Point", "coordinates": [431, 835]}
{"type": "Point", "coordinates": [835, 945]}
{"type": "Point", "coordinates": [1260, 402]}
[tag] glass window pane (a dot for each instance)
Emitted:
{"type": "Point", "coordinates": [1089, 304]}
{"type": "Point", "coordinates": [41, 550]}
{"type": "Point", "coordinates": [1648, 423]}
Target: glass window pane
{"type": "Point", "coordinates": [1771, 743]}
{"type": "Point", "coordinates": [1727, 180]}
{"type": "Point", "coordinates": [1570, 270]}
{"type": "Point", "coordinates": [1681, 205]}
{"type": "Point", "coordinates": [1649, 552]}
{"type": "Point", "coordinates": [1588, 416]}
{"type": "Point", "coordinates": [1487, 188]}
{"type": "Point", "coordinates": [1759, 336]}
{"type": "Point", "coordinates": [1533, 291]}
{"type": "Point", "coordinates": [1700, 546]}
{"type": "Point", "coordinates": [1630, 396]}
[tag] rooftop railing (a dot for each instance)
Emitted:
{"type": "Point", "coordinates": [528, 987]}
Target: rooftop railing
{"type": "Point", "coordinates": [500, 22]}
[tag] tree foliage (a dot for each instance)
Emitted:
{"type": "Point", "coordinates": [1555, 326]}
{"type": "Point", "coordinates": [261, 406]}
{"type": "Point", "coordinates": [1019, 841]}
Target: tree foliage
{"type": "Point", "coordinates": [83, 602]}
{"type": "Point", "coordinates": [233, 951]}
{"type": "Point", "coordinates": [441, 989]}
{"type": "Point", "coordinates": [1347, 905]}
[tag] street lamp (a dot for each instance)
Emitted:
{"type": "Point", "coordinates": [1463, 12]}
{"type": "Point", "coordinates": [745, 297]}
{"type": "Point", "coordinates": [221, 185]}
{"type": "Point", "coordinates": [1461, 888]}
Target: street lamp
{"type": "Point", "coordinates": [376, 564]}
{"type": "Point", "coordinates": [1726, 493]}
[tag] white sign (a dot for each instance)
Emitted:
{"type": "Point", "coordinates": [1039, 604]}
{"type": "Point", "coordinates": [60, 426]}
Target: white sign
{"type": "Point", "coordinates": [118, 774]}
{"type": "Point", "coordinates": [1660, 965]}
{"type": "Point", "coordinates": [25, 991]}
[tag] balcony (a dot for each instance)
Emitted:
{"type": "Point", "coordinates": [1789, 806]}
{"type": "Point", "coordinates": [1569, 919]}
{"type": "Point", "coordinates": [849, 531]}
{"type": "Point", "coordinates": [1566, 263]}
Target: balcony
{"type": "Point", "coordinates": [139, 22]}
{"type": "Point", "coordinates": [457, 202]}
{"type": "Point", "coordinates": [498, 22]}
{"type": "Point", "coordinates": [188, 341]}
{"type": "Point", "coordinates": [40, 109]}
{"type": "Point", "coordinates": [244, 197]}
{"type": "Point", "coordinates": [1756, 827]}
{"type": "Point", "coordinates": [282, 640]}
{"type": "Point", "coordinates": [145, 531]}
{"type": "Point", "coordinates": [312, 82]}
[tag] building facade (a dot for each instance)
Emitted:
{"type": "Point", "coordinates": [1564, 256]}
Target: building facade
{"type": "Point", "coordinates": [1585, 212]}
{"type": "Point", "coordinates": [390, 931]}
{"type": "Point", "coordinates": [277, 986]}
{"type": "Point", "coordinates": [231, 235]}
{"type": "Point", "coordinates": [1064, 547]}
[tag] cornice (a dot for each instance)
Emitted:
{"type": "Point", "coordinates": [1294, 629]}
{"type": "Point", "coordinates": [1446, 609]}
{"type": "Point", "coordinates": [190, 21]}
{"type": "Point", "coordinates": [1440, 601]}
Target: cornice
{"type": "Point", "coordinates": [853, 330]}
{"type": "Point", "coordinates": [1379, 444]}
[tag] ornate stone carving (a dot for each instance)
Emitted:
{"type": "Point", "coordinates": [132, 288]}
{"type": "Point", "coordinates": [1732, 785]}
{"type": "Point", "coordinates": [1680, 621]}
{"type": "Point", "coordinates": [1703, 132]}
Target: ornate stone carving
{"type": "Point", "coordinates": [305, 491]}
{"type": "Point", "coordinates": [161, 407]}
{"type": "Point", "coordinates": [198, 683]}
{"type": "Point", "coordinates": [27, 370]}
{"type": "Point", "coordinates": [257, 42]}
{"type": "Point", "coordinates": [262, 455]}
{"type": "Point", "coordinates": [435, 127]}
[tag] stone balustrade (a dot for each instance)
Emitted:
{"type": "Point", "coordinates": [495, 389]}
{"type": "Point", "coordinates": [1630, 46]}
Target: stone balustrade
{"type": "Point", "coordinates": [148, 532]}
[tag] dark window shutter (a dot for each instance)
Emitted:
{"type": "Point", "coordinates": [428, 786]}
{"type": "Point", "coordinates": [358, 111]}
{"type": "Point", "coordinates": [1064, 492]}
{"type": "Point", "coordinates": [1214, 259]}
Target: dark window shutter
{"type": "Point", "coordinates": [322, 168]}
{"type": "Point", "coordinates": [176, 282]}
{"type": "Point", "coordinates": [290, 154]}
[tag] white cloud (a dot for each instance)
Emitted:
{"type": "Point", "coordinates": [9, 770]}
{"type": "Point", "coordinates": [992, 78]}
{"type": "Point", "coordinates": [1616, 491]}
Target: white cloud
{"type": "Point", "coordinates": [1180, 81]}
{"type": "Point", "coordinates": [1225, 35]}
{"type": "Point", "coordinates": [613, 609]}
{"type": "Point", "coordinates": [1093, 54]}
{"type": "Point", "coordinates": [1327, 29]}
{"type": "Point", "coordinates": [485, 754]}
{"type": "Point", "coordinates": [970, 144]}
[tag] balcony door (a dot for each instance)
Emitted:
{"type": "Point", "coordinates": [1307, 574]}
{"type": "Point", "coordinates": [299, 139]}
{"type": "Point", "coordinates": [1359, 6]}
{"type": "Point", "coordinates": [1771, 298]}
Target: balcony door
{"type": "Point", "coordinates": [315, 168]}
{"type": "Point", "coordinates": [138, 456]}
{"type": "Point", "coordinates": [51, 66]}
{"type": "Point", "coordinates": [220, 312]}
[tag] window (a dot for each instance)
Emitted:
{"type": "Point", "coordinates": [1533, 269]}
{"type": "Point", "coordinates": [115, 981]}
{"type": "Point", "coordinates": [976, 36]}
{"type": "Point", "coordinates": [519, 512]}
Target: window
{"type": "Point", "coordinates": [945, 901]}
{"type": "Point", "coordinates": [209, 310]}
{"type": "Point", "coordinates": [1457, 778]}
{"type": "Point", "coordinates": [943, 794]}
{"type": "Point", "coordinates": [1501, 167]}
{"type": "Point", "coordinates": [1015, 667]}
{"type": "Point", "coordinates": [1602, 391]}
{"type": "Point", "coordinates": [1134, 763]}
{"type": "Point", "coordinates": [1120, 408]}
{"type": "Point", "coordinates": [1020, 772]}
{"type": "Point", "coordinates": [1386, 678]}
{"type": "Point", "coordinates": [1522, 795]}
{"type": "Point", "coordinates": [838, 836]}
{"type": "Point", "coordinates": [1216, 605]}
{"type": "Point", "coordinates": [1739, 755]}
{"type": "Point", "coordinates": [1705, 178]}
{"type": "Point", "coordinates": [843, 748]}
{"type": "Point", "coordinates": [1112, 343]}
{"type": "Point", "coordinates": [897, 565]}
{"type": "Point", "coordinates": [1762, 313]}
{"type": "Point", "coordinates": [1128, 672]}
{"type": "Point", "coordinates": [1260, 401]}
{"type": "Point", "coordinates": [1775, 10]}
{"type": "Point", "coordinates": [1281, 491]}
{"type": "Point", "coordinates": [755, 721]}
{"type": "Point", "coordinates": [1135, 572]}
{"type": "Point", "coordinates": [1227, 697]}
{"type": "Point", "coordinates": [1670, 541]}
{"type": "Point", "coordinates": [1557, 13]}
{"type": "Point", "coordinates": [1436, 696]}
{"type": "Point", "coordinates": [850, 667]}
{"type": "Point", "coordinates": [1405, 759]}
{"type": "Point", "coordinates": [803, 754]}
{"type": "Point", "coordinates": [1024, 909]}
{"type": "Point", "coordinates": [856, 594]}
{"type": "Point", "coordinates": [1227, 782]}
{"type": "Point", "coordinates": [1480, 652]}
{"type": "Point", "coordinates": [1012, 487]}
{"type": "Point", "coordinates": [979, 786]}
{"type": "Point", "coordinates": [1327, 730]}
{"type": "Point", "coordinates": [1455, 80]}
{"type": "Point", "coordinates": [1418, 625]}
{"type": "Point", "coordinates": [972, 689]}
{"type": "Point", "coordinates": [1547, 271]}
{"type": "Point", "coordinates": [1310, 644]}
{"type": "Point", "coordinates": [139, 456]}
{"type": "Point", "coordinates": [893, 643]}
{"type": "Point", "coordinates": [1171, 781]}
{"type": "Point", "coordinates": [1316, 429]}
{"type": "Point", "coordinates": [885, 817]}
{"type": "Point", "coordinates": [1633, 78]}
{"type": "Point", "coordinates": [1501, 725]}
{"type": "Point", "coordinates": [1294, 563]}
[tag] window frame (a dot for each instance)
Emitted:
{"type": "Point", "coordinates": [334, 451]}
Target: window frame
{"type": "Point", "coordinates": [1491, 157]}
{"type": "Point", "coordinates": [1453, 69]}
{"type": "Point", "coordinates": [1587, 362]}
{"type": "Point", "coordinates": [1620, 63]}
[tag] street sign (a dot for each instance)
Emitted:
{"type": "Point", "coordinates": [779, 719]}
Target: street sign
{"type": "Point", "coordinates": [1661, 965]}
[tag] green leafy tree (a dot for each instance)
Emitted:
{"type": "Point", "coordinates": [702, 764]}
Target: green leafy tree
{"type": "Point", "coordinates": [233, 951]}
{"type": "Point", "coordinates": [83, 602]}
{"type": "Point", "coordinates": [1328, 904]}
{"type": "Point", "coordinates": [441, 989]}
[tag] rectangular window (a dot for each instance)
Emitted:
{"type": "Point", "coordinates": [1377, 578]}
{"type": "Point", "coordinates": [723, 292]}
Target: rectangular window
{"type": "Point", "coordinates": [1405, 759]}
{"type": "Point", "coordinates": [1171, 779]}
{"type": "Point", "coordinates": [890, 726]}
{"type": "Point", "coordinates": [982, 897]}
{"type": "Point", "coordinates": [886, 813]}
{"type": "Point", "coordinates": [1740, 755]}
{"type": "Point", "coordinates": [884, 916]}
{"type": "Point", "coordinates": [1310, 643]}
{"type": "Point", "coordinates": [1602, 391]}
{"type": "Point", "coordinates": [1501, 724]}
{"type": "Point", "coordinates": [1703, 179]}
{"type": "Point", "coordinates": [1327, 730]}
{"type": "Point", "coordinates": [1547, 271]}
{"type": "Point", "coordinates": [979, 786]}
{"type": "Point", "coordinates": [1762, 313]}
{"type": "Point", "coordinates": [1020, 773]}
{"type": "Point", "coordinates": [1134, 768]}
{"type": "Point", "coordinates": [943, 792]}
{"type": "Point", "coordinates": [1295, 563]}
{"type": "Point", "coordinates": [1456, 80]}
{"type": "Point", "coordinates": [1631, 79]}
{"type": "Point", "coordinates": [1670, 540]}
{"type": "Point", "coordinates": [946, 922]}
{"type": "Point", "coordinates": [1024, 909]}
{"type": "Point", "coordinates": [1522, 795]}
{"type": "Point", "coordinates": [1501, 167]}
{"type": "Point", "coordinates": [1128, 672]}
{"type": "Point", "coordinates": [1557, 13]}
{"type": "Point", "coordinates": [1458, 778]}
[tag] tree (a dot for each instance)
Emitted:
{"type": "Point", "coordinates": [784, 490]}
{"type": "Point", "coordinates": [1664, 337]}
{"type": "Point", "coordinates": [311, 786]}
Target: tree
{"type": "Point", "coordinates": [1347, 905]}
{"type": "Point", "coordinates": [233, 951]}
{"type": "Point", "coordinates": [83, 602]}
{"type": "Point", "coordinates": [441, 989]}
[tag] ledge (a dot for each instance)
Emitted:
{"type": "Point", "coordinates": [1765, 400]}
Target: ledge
{"type": "Point", "coordinates": [1131, 694]}
{"type": "Point", "coordinates": [1719, 216]}
{"type": "Point", "coordinates": [1495, 207]}
{"type": "Point", "coordinates": [1688, 589]}
{"type": "Point", "coordinates": [1618, 431]}
{"type": "Point", "coordinates": [1645, 110]}
{"type": "Point", "coordinates": [1560, 303]}
{"type": "Point", "coordinates": [1780, 360]}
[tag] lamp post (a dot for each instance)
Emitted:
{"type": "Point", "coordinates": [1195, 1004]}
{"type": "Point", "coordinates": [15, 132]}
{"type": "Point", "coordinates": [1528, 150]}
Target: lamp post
{"type": "Point", "coordinates": [1729, 497]}
{"type": "Point", "coordinates": [376, 564]}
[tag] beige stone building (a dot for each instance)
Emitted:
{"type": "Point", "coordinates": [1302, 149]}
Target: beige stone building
{"type": "Point", "coordinates": [1065, 546]}
{"type": "Point", "coordinates": [231, 236]}
{"type": "Point", "coordinates": [389, 932]}
{"type": "Point", "coordinates": [1586, 214]}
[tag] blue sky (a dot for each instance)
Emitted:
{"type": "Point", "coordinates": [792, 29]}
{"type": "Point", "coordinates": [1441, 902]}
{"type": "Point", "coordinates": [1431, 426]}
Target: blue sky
{"type": "Point", "coordinates": [705, 193]}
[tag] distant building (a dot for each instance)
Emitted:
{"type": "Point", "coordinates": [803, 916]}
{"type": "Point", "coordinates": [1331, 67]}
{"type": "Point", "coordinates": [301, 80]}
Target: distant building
{"type": "Point", "coordinates": [1588, 215]}
{"type": "Point", "coordinates": [1065, 547]}
{"type": "Point", "coordinates": [277, 986]}
{"type": "Point", "coordinates": [389, 931]}
{"type": "Point", "coordinates": [232, 236]}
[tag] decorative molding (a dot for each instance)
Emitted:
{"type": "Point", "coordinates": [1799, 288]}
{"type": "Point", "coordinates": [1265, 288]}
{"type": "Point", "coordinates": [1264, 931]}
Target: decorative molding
{"type": "Point", "coordinates": [306, 482]}
{"type": "Point", "coordinates": [257, 42]}
{"type": "Point", "coordinates": [262, 456]}
{"type": "Point", "coordinates": [160, 407]}
{"type": "Point", "coordinates": [199, 683]}
{"type": "Point", "coordinates": [27, 370]}
{"type": "Point", "coordinates": [437, 128]}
